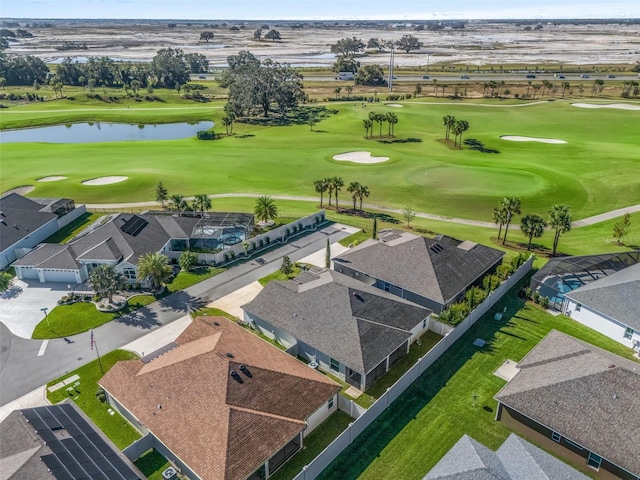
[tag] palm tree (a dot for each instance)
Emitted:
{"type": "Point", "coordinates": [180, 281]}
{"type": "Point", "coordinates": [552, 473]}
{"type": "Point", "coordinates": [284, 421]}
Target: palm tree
{"type": "Point", "coordinates": [448, 121]}
{"type": "Point", "coordinates": [364, 192]}
{"type": "Point", "coordinates": [349, 89]}
{"type": "Point", "coordinates": [178, 203]}
{"type": "Point", "coordinates": [499, 218]}
{"type": "Point", "coordinates": [155, 267]}
{"type": "Point", "coordinates": [392, 118]}
{"type": "Point", "coordinates": [5, 281]}
{"type": "Point", "coordinates": [435, 87]}
{"type": "Point", "coordinates": [337, 91]}
{"type": "Point", "coordinates": [511, 206]}
{"type": "Point", "coordinates": [528, 87]}
{"type": "Point", "coordinates": [536, 87]}
{"type": "Point", "coordinates": [201, 203]}
{"type": "Point", "coordinates": [106, 281]}
{"type": "Point", "coordinates": [459, 128]}
{"type": "Point", "coordinates": [162, 194]}
{"type": "Point", "coordinates": [329, 183]}
{"type": "Point", "coordinates": [353, 189]}
{"type": "Point", "coordinates": [367, 124]}
{"type": "Point", "coordinates": [321, 186]}
{"type": "Point", "coordinates": [560, 221]}
{"type": "Point", "coordinates": [532, 225]}
{"type": "Point", "coordinates": [380, 118]}
{"type": "Point", "coordinates": [337, 183]}
{"type": "Point", "coordinates": [565, 86]}
{"type": "Point", "coordinates": [265, 209]}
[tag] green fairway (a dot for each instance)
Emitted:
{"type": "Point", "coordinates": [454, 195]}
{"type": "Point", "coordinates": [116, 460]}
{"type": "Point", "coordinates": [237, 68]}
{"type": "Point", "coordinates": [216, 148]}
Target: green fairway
{"type": "Point", "coordinates": [409, 438]}
{"type": "Point", "coordinates": [595, 171]}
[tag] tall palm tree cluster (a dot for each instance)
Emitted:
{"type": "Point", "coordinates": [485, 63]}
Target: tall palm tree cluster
{"type": "Point", "coordinates": [455, 126]}
{"type": "Point", "coordinates": [332, 186]}
{"type": "Point", "coordinates": [178, 203]}
{"type": "Point", "coordinates": [532, 225]}
{"type": "Point", "coordinates": [379, 118]}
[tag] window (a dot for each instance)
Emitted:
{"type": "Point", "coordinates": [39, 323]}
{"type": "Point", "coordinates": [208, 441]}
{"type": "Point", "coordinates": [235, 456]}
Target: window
{"type": "Point", "coordinates": [628, 333]}
{"type": "Point", "coordinates": [387, 287]}
{"type": "Point", "coordinates": [335, 365]}
{"type": "Point", "coordinates": [424, 323]}
{"type": "Point", "coordinates": [578, 307]}
{"type": "Point", "coordinates": [555, 436]}
{"type": "Point", "coordinates": [574, 444]}
{"type": "Point", "coordinates": [330, 403]}
{"type": "Point", "coordinates": [594, 460]}
{"type": "Point", "coordinates": [129, 273]}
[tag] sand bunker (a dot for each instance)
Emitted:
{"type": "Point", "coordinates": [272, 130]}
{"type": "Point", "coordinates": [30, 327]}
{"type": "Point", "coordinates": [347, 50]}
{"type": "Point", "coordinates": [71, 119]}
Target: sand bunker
{"type": "Point", "coordinates": [518, 138]}
{"type": "Point", "coordinates": [394, 105]}
{"type": "Point", "coordinates": [53, 178]}
{"type": "Point", "coordinates": [22, 190]}
{"type": "Point", "coordinates": [619, 106]}
{"type": "Point", "coordinates": [104, 180]}
{"type": "Point", "coordinates": [359, 157]}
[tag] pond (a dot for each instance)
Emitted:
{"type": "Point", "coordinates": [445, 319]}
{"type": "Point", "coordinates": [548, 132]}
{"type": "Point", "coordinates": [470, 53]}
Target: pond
{"type": "Point", "coordinates": [104, 132]}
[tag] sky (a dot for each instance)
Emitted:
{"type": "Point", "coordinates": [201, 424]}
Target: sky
{"type": "Point", "coordinates": [318, 9]}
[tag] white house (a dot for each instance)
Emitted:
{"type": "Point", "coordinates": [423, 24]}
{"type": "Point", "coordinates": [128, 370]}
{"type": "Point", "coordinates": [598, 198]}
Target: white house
{"type": "Point", "coordinates": [610, 305]}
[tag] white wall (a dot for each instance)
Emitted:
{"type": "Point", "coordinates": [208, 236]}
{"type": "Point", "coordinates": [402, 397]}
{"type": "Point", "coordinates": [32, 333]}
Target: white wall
{"type": "Point", "coordinates": [599, 322]}
{"type": "Point", "coordinates": [320, 415]}
{"type": "Point", "coordinates": [418, 330]}
{"type": "Point", "coordinates": [9, 255]}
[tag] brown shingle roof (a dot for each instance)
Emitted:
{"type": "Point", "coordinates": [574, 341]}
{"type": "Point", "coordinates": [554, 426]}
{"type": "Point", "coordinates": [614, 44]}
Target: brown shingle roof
{"type": "Point", "coordinates": [222, 428]}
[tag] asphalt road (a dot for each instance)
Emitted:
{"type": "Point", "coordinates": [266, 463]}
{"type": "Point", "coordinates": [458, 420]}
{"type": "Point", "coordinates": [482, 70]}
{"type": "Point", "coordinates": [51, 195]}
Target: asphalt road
{"type": "Point", "coordinates": [22, 369]}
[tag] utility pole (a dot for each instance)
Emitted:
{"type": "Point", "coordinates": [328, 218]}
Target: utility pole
{"type": "Point", "coordinates": [391, 62]}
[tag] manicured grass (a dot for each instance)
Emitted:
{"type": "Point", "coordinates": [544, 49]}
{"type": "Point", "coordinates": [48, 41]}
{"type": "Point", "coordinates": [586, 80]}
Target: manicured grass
{"type": "Point", "coordinates": [68, 320]}
{"type": "Point", "coordinates": [409, 438]}
{"type": "Point", "coordinates": [152, 464]}
{"type": "Point", "coordinates": [278, 275]}
{"type": "Point", "coordinates": [186, 279]}
{"type": "Point", "coordinates": [424, 174]}
{"type": "Point", "coordinates": [354, 238]}
{"type": "Point", "coordinates": [114, 426]}
{"type": "Point", "coordinates": [67, 233]}
{"type": "Point", "coordinates": [314, 443]}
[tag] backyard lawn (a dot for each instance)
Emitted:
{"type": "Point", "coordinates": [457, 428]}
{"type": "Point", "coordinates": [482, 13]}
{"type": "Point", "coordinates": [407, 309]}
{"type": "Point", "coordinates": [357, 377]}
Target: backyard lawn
{"type": "Point", "coordinates": [114, 426]}
{"type": "Point", "coordinates": [152, 464]}
{"type": "Point", "coordinates": [454, 397]}
{"type": "Point", "coordinates": [67, 233]}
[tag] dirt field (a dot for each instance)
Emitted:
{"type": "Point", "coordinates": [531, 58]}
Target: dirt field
{"type": "Point", "coordinates": [478, 44]}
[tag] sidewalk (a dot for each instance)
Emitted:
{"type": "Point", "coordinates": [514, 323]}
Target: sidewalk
{"type": "Point", "coordinates": [32, 399]}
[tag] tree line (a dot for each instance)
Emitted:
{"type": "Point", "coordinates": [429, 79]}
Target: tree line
{"type": "Point", "coordinates": [455, 126]}
{"type": "Point", "coordinates": [379, 118]}
{"type": "Point", "coordinates": [168, 68]}
{"type": "Point", "coordinates": [333, 185]}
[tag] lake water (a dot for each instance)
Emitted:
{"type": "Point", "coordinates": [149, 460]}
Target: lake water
{"type": "Point", "coordinates": [104, 132]}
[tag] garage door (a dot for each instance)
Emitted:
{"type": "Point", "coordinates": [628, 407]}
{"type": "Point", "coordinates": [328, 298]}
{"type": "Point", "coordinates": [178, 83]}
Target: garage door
{"type": "Point", "coordinates": [29, 273]}
{"type": "Point", "coordinates": [58, 276]}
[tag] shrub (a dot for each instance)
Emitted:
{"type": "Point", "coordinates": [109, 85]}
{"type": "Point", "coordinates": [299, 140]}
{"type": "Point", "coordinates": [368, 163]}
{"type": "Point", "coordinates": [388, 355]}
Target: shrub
{"type": "Point", "coordinates": [261, 243]}
{"type": "Point", "coordinates": [232, 255]}
{"type": "Point", "coordinates": [518, 261]}
{"type": "Point", "coordinates": [504, 271]}
{"type": "Point", "coordinates": [287, 231]}
{"type": "Point", "coordinates": [226, 257]}
{"type": "Point", "coordinates": [544, 302]}
{"type": "Point", "coordinates": [527, 292]}
{"type": "Point", "coordinates": [536, 297]}
{"type": "Point", "coordinates": [206, 135]}
{"type": "Point", "coordinates": [490, 282]}
{"type": "Point", "coordinates": [267, 240]}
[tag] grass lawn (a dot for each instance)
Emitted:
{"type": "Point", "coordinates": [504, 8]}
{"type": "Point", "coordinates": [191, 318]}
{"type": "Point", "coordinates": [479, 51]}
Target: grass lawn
{"type": "Point", "coordinates": [67, 233]}
{"type": "Point", "coordinates": [278, 275]}
{"type": "Point", "coordinates": [314, 443]}
{"type": "Point", "coordinates": [409, 438]}
{"type": "Point", "coordinates": [68, 320]}
{"type": "Point", "coordinates": [114, 426]}
{"type": "Point", "coordinates": [186, 279]}
{"type": "Point", "coordinates": [358, 237]}
{"type": "Point", "coordinates": [423, 173]}
{"type": "Point", "coordinates": [152, 464]}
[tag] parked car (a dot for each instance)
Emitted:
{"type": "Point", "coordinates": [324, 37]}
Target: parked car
{"type": "Point", "coordinates": [202, 77]}
{"type": "Point", "coordinates": [531, 76]}
{"type": "Point", "coordinates": [611, 76]}
{"type": "Point", "coordinates": [584, 75]}
{"type": "Point", "coordinates": [561, 77]}
{"type": "Point", "coordinates": [465, 77]}
{"type": "Point", "coordinates": [425, 77]}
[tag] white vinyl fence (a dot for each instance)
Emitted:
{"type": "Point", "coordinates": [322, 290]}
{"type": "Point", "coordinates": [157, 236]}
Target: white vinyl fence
{"type": "Point", "coordinates": [364, 418]}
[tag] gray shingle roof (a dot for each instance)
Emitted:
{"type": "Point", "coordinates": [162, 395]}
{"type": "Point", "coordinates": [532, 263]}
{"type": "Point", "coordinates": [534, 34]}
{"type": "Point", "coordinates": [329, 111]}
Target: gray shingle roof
{"type": "Point", "coordinates": [617, 296]}
{"type": "Point", "coordinates": [582, 392]}
{"type": "Point", "coordinates": [438, 269]}
{"type": "Point", "coordinates": [516, 459]}
{"type": "Point", "coordinates": [49, 255]}
{"type": "Point", "coordinates": [354, 323]}
{"type": "Point", "coordinates": [19, 217]}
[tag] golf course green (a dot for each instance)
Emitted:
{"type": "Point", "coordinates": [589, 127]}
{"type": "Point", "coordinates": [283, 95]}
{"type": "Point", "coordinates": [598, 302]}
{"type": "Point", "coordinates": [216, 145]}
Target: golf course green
{"type": "Point", "coordinates": [597, 170]}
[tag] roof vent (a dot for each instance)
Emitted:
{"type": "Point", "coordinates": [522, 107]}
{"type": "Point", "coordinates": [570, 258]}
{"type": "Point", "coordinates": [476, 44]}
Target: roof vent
{"type": "Point", "coordinates": [217, 324]}
{"type": "Point", "coordinates": [612, 366]}
{"type": "Point", "coordinates": [236, 377]}
{"type": "Point", "coordinates": [229, 354]}
{"type": "Point", "coordinates": [357, 295]}
{"type": "Point", "coordinates": [245, 370]}
{"type": "Point", "coordinates": [16, 226]}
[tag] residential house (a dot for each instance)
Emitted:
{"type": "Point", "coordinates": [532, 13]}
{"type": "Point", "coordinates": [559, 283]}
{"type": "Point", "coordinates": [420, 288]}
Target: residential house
{"type": "Point", "coordinates": [516, 459]}
{"type": "Point", "coordinates": [59, 442]}
{"type": "Point", "coordinates": [610, 305]}
{"type": "Point", "coordinates": [579, 402]}
{"type": "Point", "coordinates": [348, 328]}
{"type": "Point", "coordinates": [224, 403]}
{"type": "Point", "coordinates": [25, 222]}
{"type": "Point", "coordinates": [122, 239]}
{"type": "Point", "coordinates": [432, 272]}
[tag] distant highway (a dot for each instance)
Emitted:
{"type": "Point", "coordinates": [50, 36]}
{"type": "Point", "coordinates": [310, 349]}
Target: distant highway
{"type": "Point", "coordinates": [485, 77]}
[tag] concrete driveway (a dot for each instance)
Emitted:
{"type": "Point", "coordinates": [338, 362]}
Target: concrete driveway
{"type": "Point", "coordinates": [20, 306]}
{"type": "Point", "coordinates": [231, 303]}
